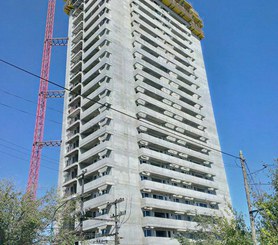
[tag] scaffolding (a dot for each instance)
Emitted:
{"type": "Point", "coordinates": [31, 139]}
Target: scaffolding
{"type": "Point", "coordinates": [185, 10]}
{"type": "Point", "coordinates": [70, 5]}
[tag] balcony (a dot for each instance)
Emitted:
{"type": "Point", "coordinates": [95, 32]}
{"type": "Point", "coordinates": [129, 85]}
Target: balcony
{"type": "Point", "coordinates": [160, 241]}
{"type": "Point", "coordinates": [91, 6]}
{"type": "Point", "coordinates": [179, 191]}
{"type": "Point", "coordinates": [96, 58]}
{"type": "Point", "coordinates": [94, 121]}
{"type": "Point", "coordinates": [76, 58]}
{"type": "Point", "coordinates": [72, 124]}
{"type": "Point", "coordinates": [178, 53]}
{"type": "Point", "coordinates": [98, 201]}
{"type": "Point", "coordinates": [168, 223]}
{"type": "Point", "coordinates": [104, 64]}
{"type": "Point", "coordinates": [147, 168]}
{"type": "Point", "coordinates": [191, 132]}
{"type": "Point", "coordinates": [98, 44]}
{"type": "Point", "coordinates": [77, 38]}
{"type": "Point", "coordinates": [156, 32]}
{"type": "Point", "coordinates": [175, 147]}
{"type": "Point", "coordinates": [174, 23]}
{"type": "Point", "coordinates": [75, 78]}
{"type": "Point", "coordinates": [99, 165]}
{"type": "Point", "coordinates": [76, 68]}
{"type": "Point", "coordinates": [99, 24]}
{"type": "Point", "coordinates": [107, 180]}
{"type": "Point", "coordinates": [92, 224]}
{"type": "Point", "coordinates": [98, 80]}
{"type": "Point", "coordinates": [78, 28]}
{"type": "Point", "coordinates": [191, 104]}
{"type": "Point", "coordinates": [94, 136]}
{"type": "Point", "coordinates": [161, 157]}
{"type": "Point", "coordinates": [76, 48]}
{"type": "Point", "coordinates": [149, 17]}
{"type": "Point", "coordinates": [99, 106]}
{"type": "Point", "coordinates": [72, 137]}
{"type": "Point", "coordinates": [147, 65]}
{"type": "Point", "coordinates": [69, 181]}
{"type": "Point", "coordinates": [78, 18]}
{"type": "Point", "coordinates": [99, 148]}
{"type": "Point", "coordinates": [187, 118]}
{"type": "Point", "coordinates": [96, 93]}
{"type": "Point", "coordinates": [178, 207]}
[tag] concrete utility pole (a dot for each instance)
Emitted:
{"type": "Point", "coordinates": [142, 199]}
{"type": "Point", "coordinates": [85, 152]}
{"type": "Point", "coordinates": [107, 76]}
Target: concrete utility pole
{"type": "Point", "coordinates": [82, 177]}
{"type": "Point", "coordinates": [116, 217]}
{"type": "Point", "coordinates": [247, 191]}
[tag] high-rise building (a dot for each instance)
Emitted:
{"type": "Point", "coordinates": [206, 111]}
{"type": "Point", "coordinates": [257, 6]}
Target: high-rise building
{"type": "Point", "coordinates": [139, 120]}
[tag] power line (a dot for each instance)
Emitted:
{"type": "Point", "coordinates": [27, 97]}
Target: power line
{"type": "Point", "coordinates": [25, 112]}
{"type": "Point", "coordinates": [20, 158]}
{"type": "Point", "coordinates": [27, 100]}
{"type": "Point", "coordinates": [114, 109]}
{"type": "Point", "coordinates": [50, 160]}
{"type": "Point", "coordinates": [258, 184]}
{"type": "Point", "coordinates": [251, 179]}
{"type": "Point", "coordinates": [260, 170]}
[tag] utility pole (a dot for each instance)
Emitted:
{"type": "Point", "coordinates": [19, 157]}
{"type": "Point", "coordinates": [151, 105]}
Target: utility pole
{"type": "Point", "coordinates": [247, 191]}
{"type": "Point", "coordinates": [116, 217]}
{"type": "Point", "coordinates": [82, 177]}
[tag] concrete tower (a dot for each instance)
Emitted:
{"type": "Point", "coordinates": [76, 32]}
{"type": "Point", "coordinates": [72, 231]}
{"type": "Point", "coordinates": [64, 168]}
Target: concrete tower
{"type": "Point", "coordinates": [145, 133]}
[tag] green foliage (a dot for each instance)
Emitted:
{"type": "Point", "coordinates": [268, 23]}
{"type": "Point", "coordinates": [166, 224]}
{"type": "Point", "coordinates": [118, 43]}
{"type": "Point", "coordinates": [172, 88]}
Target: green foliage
{"type": "Point", "coordinates": [25, 220]}
{"type": "Point", "coordinates": [268, 206]}
{"type": "Point", "coordinates": [64, 230]}
{"type": "Point", "coordinates": [218, 231]}
{"type": "Point", "coordinates": [22, 219]}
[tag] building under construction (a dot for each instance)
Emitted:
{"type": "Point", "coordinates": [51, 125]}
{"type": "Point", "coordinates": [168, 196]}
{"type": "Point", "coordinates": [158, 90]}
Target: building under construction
{"type": "Point", "coordinates": [139, 122]}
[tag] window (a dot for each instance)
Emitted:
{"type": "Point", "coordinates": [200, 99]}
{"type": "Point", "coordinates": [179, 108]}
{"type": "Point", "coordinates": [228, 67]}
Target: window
{"type": "Point", "coordinates": [147, 233]}
{"type": "Point", "coordinates": [145, 195]}
{"type": "Point", "coordinates": [203, 205]}
{"type": "Point", "coordinates": [161, 233]}
{"type": "Point", "coordinates": [178, 217]}
{"type": "Point", "coordinates": [144, 177]}
{"type": "Point", "coordinates": [159, 215]}
{"type": "Point", "coordinates": [146, 213]}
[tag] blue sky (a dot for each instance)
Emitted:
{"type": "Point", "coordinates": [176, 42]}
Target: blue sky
{"type": "Point", "coordinates": [240, 50]}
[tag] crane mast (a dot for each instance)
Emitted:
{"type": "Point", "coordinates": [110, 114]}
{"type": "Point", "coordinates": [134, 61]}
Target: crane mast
{"type": "Point", "coordinates": [42, 99]}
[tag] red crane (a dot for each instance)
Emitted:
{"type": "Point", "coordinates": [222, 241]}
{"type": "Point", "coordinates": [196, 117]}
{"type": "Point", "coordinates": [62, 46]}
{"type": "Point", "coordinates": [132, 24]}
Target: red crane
{"type": "Point", "coordinates": [42, 98]}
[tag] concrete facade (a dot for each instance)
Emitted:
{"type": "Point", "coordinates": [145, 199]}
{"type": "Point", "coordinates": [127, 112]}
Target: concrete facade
{"type": "Point", "coordinates": [144, 133]}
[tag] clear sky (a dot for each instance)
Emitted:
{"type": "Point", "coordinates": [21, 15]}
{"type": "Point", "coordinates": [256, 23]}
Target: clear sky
{"type": "Point", "coordinates": [240, 50]}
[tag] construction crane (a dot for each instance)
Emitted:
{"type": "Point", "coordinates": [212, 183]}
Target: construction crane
{"type": "Point", "coordinates": [42, 98]}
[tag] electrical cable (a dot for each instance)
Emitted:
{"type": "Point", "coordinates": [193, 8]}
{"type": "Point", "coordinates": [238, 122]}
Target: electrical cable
{"type": "Point", "coordinates": [27, 100]}
{"type": "Point", "coordinates": [258, 171]}
{"type": "Point", "coordinates": [258, 184]}
{"type": "Point", "coordinates": [251, 179]}
{"type": "Point", "coordinates": [14, 149]}
{"type": "Point", "coordinates": [114, 109]}
{"type": "Point", "coordinates": [26, 112]}
{"type": "Point", "coordinates": [20, 158]}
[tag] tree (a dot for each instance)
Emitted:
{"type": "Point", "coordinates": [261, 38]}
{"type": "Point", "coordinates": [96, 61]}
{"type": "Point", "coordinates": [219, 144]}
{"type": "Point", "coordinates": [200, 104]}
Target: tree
{"type": "Point", "coordinates": [25, 220]}
{"type": "Point", "coordinates": [267, 204]}
{"type": "Point", "coordinates": [218, 230]}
